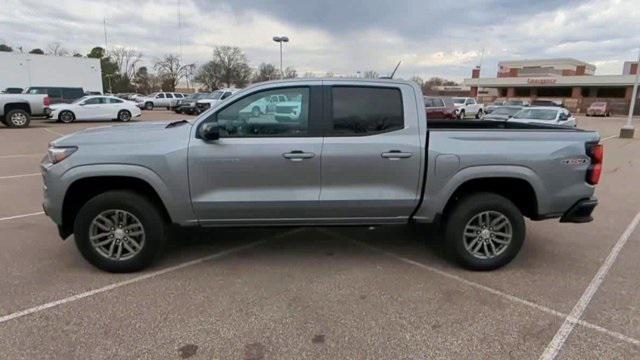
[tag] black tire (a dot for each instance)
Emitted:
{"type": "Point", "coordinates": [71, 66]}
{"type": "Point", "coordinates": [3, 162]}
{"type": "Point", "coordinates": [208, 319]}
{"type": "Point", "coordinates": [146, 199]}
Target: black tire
{"type": "Point", "coordinates": [479, 114]}
{"type": "Point", "coordinates": [124, 115]}
{"type": "Point", "coordinates": [153, 224]}
{"type": "Point", "coordinates": [148, 105]}
{"type": "Point", "coordinates": [464, 211]}
{"type": "Point", "coordinates": [461, 115]}
{"type": "Point", "coordinates": [17, 118]}
{"type": "Point", "coordinates": [66, 116]}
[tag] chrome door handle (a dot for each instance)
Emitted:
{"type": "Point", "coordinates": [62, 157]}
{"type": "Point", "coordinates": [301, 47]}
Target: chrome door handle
{"type": "Point", "coordinates": [298, 155]}
{"type": "Point", "coordinates": [396, 155]}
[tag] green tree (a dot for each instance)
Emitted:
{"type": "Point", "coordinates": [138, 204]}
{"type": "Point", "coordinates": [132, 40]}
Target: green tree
{"type": "Point", "coordinates": [5, 48]}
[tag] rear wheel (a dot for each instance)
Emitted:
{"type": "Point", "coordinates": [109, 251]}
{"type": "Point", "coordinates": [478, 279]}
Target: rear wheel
{"type": "Point", "coordinates": [17, 118]}
{"type": "Point", "coordinates": [124, 115]}
{"type": "Point", "coordinates": [120, 231]}
{"type": "Point", "coordinates": [66, 116]}
{"type": "Point", "coordinates": [484, 231]}
{"type": "Point", "coordinates": [479, 114]}
{"type": "Point", "coordinates": [461, 115]}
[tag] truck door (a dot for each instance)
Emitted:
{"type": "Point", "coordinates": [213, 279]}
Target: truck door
{"type": "Point", "coordinates": [371, 157]}
{"type": "Point", "coordinates": [260, 170]}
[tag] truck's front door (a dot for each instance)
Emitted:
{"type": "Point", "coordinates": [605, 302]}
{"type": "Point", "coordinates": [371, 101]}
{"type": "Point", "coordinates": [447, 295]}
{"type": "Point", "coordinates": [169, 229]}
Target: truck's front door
{"type": "Point", "coordinates": [371, 157]}
{"type": "Point", "coordinates": [260, 170]}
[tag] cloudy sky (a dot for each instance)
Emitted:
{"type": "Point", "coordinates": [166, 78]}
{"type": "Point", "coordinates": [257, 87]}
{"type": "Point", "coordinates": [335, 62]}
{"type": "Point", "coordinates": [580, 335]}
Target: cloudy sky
{"type": "Point", "coordinates": [432, 38]}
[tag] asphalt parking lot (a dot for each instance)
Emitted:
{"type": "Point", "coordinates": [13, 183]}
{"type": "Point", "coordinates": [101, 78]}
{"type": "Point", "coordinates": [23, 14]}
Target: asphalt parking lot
{"type": "Point", "coordinates": [384, 292]}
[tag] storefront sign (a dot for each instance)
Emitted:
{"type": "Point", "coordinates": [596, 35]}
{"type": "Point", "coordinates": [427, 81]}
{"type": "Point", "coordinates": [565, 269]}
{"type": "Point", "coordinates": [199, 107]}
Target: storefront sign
{"type": "Point", "coordinates": [545, 81]}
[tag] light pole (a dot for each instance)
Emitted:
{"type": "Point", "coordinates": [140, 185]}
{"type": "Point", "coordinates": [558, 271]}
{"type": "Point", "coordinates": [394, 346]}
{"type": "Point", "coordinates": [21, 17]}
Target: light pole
{"type": "Point", "coordinates": [628, 130]}
{"type": "Point", "coordinates": [281, 39]}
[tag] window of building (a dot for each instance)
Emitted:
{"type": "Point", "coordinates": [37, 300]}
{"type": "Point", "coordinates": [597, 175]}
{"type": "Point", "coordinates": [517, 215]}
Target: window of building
{"type": "Point", "coordinates": [523, 92]}
{"type": "Point", "coordinates": [554, 92]}
{"type": "Point", "coordinates": [366, 110]}
{"type": "Point", "coordinates": [611, 92]}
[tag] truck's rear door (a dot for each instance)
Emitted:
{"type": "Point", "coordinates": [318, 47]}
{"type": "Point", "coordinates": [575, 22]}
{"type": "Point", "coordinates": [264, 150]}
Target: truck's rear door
{"type": "Point", "coordinates": [371, 155]}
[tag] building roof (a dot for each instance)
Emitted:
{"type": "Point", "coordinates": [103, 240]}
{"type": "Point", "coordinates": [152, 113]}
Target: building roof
{"type": "Point", "coordinates": [544, 62]}
{"type": "Point", "coordinates": [583, 80]}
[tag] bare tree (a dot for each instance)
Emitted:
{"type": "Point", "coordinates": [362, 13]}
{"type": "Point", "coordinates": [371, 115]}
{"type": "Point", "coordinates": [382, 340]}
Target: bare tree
{"type": "Point", "coordinates": [208, 76]}
{"type": "Point", "coordinates": [308, 75]}
{"type": "Point", "coordinates": [370, 74]}
{"type": "Point", "coordinates": [266, 72]}
{"type": "Point", "coordinates": [232, 66]}
{"type": "Point", "coordinates": [171, 70]}
{"type": "Point", "coordinates": [56, 49]}
{"type": "Point", "coordinates": [126, 59]}
{"type": "Point", "coordinates": [418, 80]}
{"type": "Point", "coordinates": [290, 73]}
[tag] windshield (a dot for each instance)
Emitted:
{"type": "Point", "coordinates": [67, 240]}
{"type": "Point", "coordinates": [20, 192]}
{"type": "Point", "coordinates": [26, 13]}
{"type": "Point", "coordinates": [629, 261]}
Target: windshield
{"type": "Point", "coordinates": [498, 103]}
{"type": "Point", "coordinates": [537, 114]}
{"type": "Point", "coordinates": [599, 104]}
{"type": "Point", "coordinates": [513, 102]}
{"type": "Point", "coordinates": [506, 110]}
{"type": "Point", "coordinates": [198, 96]}
{"type": "Point", "coordinates": [76, 101]}
{"type": "Point", "coordinates": [214, 95]}
{"type": "Point", "coordinates": [458, 100]}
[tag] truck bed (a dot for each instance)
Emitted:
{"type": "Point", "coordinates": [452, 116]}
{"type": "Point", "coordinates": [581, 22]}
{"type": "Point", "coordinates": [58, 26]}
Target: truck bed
{"type": "Point", "coordinates": [441, 124]}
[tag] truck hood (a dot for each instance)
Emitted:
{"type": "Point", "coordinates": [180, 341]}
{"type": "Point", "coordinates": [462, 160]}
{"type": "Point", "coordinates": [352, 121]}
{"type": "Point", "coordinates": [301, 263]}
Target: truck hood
{"type": "Point", "coordinates": [129, 134]}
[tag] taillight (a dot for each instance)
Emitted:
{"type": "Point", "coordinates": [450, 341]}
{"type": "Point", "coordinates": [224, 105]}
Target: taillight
{"type": "Point", "coordinates": [596, 153]}
{"type": "Point", "coordinates": [47, 101]}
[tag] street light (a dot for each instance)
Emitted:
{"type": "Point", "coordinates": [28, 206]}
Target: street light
{"type": "Point", "coordinates": [281, 39]}
{"type": "Point", "coordinates": [628, 130]}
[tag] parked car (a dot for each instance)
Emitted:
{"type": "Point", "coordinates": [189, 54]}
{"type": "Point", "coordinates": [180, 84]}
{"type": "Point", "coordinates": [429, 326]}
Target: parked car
{"type": "Point", "coordinates": [158, 99]}
{"type": "Point", "coordinates": [599, 108]}
{"type": "Point", "coordinates": [516, 103]}
{"type": "Point", "coordinates": [357, 155]}
{"type": "Point", "coordinates": [542, 102]}
{"type": "Point", "coordinates": [95, 108]}
{"type": "Point", "coordinates": [467, 107]}
{"type": "Point", "coordinates": [502, 113]}
{"type": "Point", "coordinates": [13, 90]}
{"type": "Point", "coordinates": [439, 107]}
{"type": "Point", "coordinates": [92, 93]}
{"type": "Point", "coordinates": [57, 94]}
{"type": "Point", "coordinates": [489, 108]}
{"type": "Point", "coordinates": [16, 110]}
{"type": "Point", "coordinates": [187, 105]}
{"type": "Point", "coordinates": [214, 98]}
{"type": "Point", "coordinates": [550, 115]}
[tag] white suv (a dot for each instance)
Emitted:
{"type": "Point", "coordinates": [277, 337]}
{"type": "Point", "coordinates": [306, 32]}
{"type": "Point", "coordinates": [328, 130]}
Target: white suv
{"type": "Point", "coordinates": [467, 106]}
{"type": "Point", "coordinates": [159, 99]}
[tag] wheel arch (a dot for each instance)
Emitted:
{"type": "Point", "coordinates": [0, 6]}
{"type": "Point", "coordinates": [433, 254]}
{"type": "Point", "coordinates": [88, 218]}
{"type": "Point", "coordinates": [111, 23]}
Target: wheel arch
{"type": "Point", "coordinates": [16, 106]}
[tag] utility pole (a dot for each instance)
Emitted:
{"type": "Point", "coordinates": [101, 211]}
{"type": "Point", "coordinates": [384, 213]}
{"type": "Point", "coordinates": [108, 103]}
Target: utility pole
{"type": "Point", "coordinates": [628, 130]}
{"type": "Point", "coordinates": [104, 24]}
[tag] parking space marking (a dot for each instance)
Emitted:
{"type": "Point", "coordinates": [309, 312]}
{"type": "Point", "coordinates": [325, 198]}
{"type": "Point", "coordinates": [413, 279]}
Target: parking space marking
{"type": "Point", "coordinates": [86, 294]}
{"type": "Point", "coordinates": [53, 132]}
{"type": "Point", "coordinates": [608, 138]}
{"type": "Point", "coordinates": [19, 155]}
{"type": "Point", "coordinates": [18, 176]}
{"type": "Point", "coordinates": [569, 324]}
{"type": "Point", "coordinates": [21, 216]}
{"type": "Point", "coordinates": [504, 295]}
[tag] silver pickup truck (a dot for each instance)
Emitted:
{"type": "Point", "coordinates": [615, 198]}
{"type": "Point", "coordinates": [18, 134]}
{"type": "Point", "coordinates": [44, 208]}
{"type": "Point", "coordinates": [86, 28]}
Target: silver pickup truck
{"type": "Point", "coordinates": [16, 109]}
{"type": "Point", "coordinates": [350, 152]}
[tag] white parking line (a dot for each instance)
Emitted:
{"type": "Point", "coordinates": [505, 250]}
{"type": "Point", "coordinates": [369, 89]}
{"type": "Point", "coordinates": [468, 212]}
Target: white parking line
{"type": "Point", "coordinates": [608, 138]}
{"type": "Point", "coordinates": [561, 336]}
{"type": "Point", "coordinates": [136, 279]}
{"type": "Point", "coordinates": [53, 132]}
{"type": "Point", "coordinates": [509, 297]}
{"type": "Point", "coordinates": [20, 155]}
{"type": "Point", "coordinates": [18, 176]}
{"type": "Point", "coordinates": [21, 216]}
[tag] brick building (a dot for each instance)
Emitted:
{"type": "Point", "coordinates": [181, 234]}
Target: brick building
{"type": "Point", "coordinates": [566, 80]}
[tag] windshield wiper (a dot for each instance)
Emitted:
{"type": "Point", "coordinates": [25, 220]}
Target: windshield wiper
{"type": "Point", "coordinates": [176, 123]}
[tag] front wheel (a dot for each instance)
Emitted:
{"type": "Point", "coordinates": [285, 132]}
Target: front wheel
{"type": "Point", "coordinates": [120, 231]}
{"type": "Point", "coordinates": [66, 117]}
{"type": "Point", "coordinates": [479, 114]}
{"type": "Point", "coordinates": [17, 118]}
{"type": "Point", "coordinates": [484, 231]}
{"type": "Point", "coordinates": [461, 115]}
{"type": "Point", "coordinates": [124, 115]}
{"type": "Point", "coordinates": [148, 105]}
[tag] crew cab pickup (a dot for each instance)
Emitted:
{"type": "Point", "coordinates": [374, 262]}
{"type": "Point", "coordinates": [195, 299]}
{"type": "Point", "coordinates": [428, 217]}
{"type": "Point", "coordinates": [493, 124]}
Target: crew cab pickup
{"type": "Point", "coordinates": [358, 152]}
{"type": "Point", "coordinates": [468, 107]}
{"type": "Point", "coordinates": [16, 109]}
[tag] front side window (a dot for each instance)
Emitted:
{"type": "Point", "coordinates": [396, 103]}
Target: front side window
{"type": "Point", "coordinates": [226, 95]}
{"type": "Point", "coordinates": [470, 102]}
{"type": "Point", "coordinates": [252, 117]}
{"type": "Point", "coordinates": [366, 110]}
{"type": "Point", "coordinates": [160, 96]}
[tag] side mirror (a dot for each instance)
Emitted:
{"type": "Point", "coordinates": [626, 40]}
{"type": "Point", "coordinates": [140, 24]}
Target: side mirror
{"type": "Point", "coordinates": [209, 131]}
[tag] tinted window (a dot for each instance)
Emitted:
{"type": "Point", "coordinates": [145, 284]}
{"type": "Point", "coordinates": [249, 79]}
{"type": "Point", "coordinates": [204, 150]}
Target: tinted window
{"type": "Point", "coordinates": [114, 101]}
{"type": "Point", "coordinates": [226, 95]}
{"type": "Point", "coordinates": [366, 110]}
{"type": "Point", "coordinates": [54, 92]}
{"type": "Point", "coordinates": [251, 116]}
{"type": "Point", "coordinates": [178, 96]}
{"type": "Point", "coordinates": [72, 93]}
{"type": "Point", "coordinates": [95, 101]}
{"type": "Point", "coordinates": [160, 96]}
{"type": "Point", "coordinates": [169, 96]}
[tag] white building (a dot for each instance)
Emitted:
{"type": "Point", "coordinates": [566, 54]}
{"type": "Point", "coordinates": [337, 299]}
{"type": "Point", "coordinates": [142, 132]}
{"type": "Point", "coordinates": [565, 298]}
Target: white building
{"type": "Point", "coordinates": [25, 70]}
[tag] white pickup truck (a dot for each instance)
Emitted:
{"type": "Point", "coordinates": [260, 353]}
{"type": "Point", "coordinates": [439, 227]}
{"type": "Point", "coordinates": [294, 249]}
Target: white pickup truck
{"type": "Point", "coordinates": [468, 107]}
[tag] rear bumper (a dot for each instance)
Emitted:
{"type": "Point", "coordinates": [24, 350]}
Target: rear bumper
{"type": "Point", "coordinates": [580, 212]}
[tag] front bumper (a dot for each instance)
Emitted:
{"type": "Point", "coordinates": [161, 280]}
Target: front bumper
{"type": "Point", "coordinates": [580, 212]}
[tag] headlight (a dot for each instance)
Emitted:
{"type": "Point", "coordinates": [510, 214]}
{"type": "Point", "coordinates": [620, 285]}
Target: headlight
{"type": "Point", "coordinates": [57, 154]}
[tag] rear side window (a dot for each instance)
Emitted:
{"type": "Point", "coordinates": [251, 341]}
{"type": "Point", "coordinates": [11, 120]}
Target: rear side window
{"type": "Point", "coordinates": [54, 93]}
{"type": "Point", "coordinates": [72, 94]}
{"type": "Point", "coordinates": [169, 96]}
{"type": "Point", "coordinates": [361, 111]}
{"type": "Point", "coordinates": [114, 101]}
